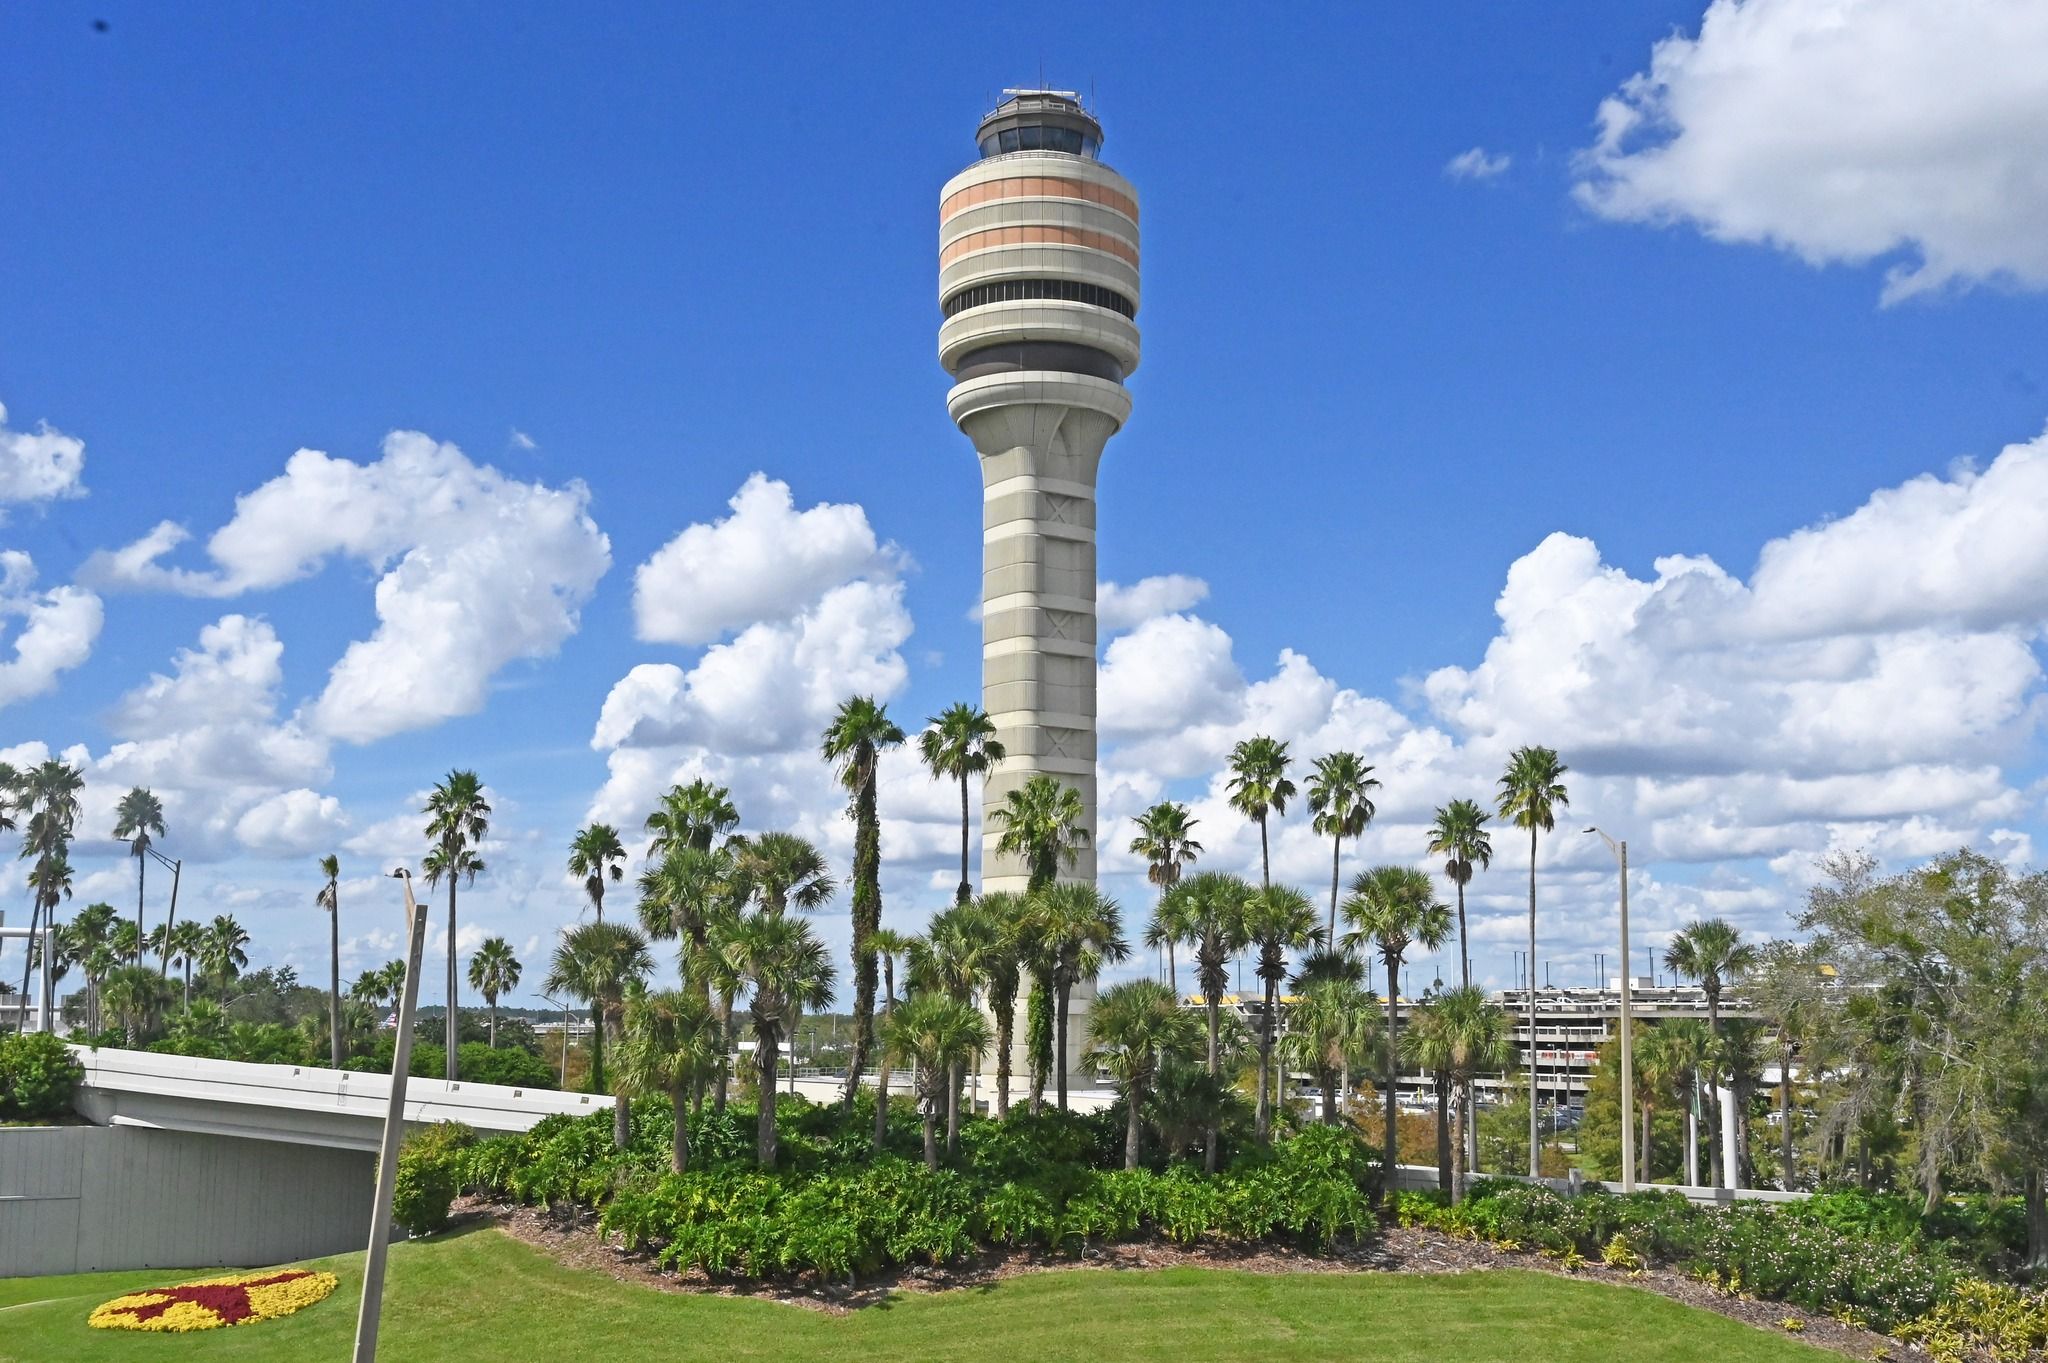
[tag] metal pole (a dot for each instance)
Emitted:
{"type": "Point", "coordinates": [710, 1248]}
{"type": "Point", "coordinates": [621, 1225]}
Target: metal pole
{"type": "Point", "coordinates": [49, 985]}
{"type": "Point", "coordinates": [394, 1129]}
{"type": "Point", "coordinates": [163, 969]}
{"type": "Point", "coordinates": [1628, 1055]}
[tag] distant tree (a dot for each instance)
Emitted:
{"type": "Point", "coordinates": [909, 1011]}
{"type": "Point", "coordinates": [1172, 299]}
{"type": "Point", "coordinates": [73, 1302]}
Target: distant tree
{"type": "Point", "coordinates": [1259, 789]}
{"type": "Point", "coordinates": [937, 1034]}
{"type": "Point", "coordinates": [1340, 797]}
{"type": "Point", "coordinates": [458, 820]}
{"type": "Point", "coordinates": [1207, 912]}
{"type": "Point", "coordinates": [859, 734]}
{"type": "Point", "coordinates": [223, 952]}
{"type": "Point", "coordinates": [696, 815]}
{"type": "Point", "coordinates": [1531, 792]}
{"type": "Point", "coordinates": [1130, 1029]}
{"type": "Point", "coordinates": [1077, 930]}
{"type": "Point", "coordinates": [596, 854]}
{"type": "Point", "coordinates": [890, 947]}
{"type": "Point", "coordinates": [1165, 843]}
{"type": "Point", "coordinates": [187, 942]}
{"type": "Point", "coordinates": [494, 971]}
{"type": "Point", "coordinates": [329, 899]}
{"type": "Point", "coordinates": [784, 970]}
{"type": "Point", "coordinates": [1711, 951]}
{"type": "Point", "coordinates": [1455, 1036]}
{"type": "Point", "coordinates": [1392, 908]}
{"type": "Point", "coordinates": [671, 1044]}
{"type": "Point", "coordinates": [138, 818]}
{"type": "Point", "coordinates": [1041, 823]}
{"type": "Point", "coordinates": [1458, 835]}
{"type": "Point", "coordinates": [597, 962]}
{"type": "Point", "coordinates": [1278, 919]}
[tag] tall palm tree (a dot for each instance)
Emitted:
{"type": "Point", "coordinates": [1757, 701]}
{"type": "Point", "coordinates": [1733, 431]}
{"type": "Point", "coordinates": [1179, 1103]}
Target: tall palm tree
{"type": "Point", "coordinates": [1163, 841]}
{"type": "Point", "coordinates": [329, 899]}
{"type": "Point", "coordinates": [1042, 825]}
{"type": "Point", "coordinates": [1077, 930]}
{"type": "Point", "coordinates": [186, 942]}
{"type": "Point", "coordinates": [137, 819]}
{"type": "Point", "coordinates": [596, 962]}
{"type": "Point", "coordinates": [46, 798]}
{"type": "Point", "coordinates": [784, 969]}
{"type": "Point", "coordinates": [494, 971]}
{"type": "Point", "coordinates": [780, 871]}
{"type": "Point", "coordinates": [127, 943]}
{"type": "Point", "coordinates": [1531, 792]}
{"type": "Point", "coordinates": [136, 996]}
{"type": "Point", "coordinates": [696, 815]}
{"type": "Point", "coordinates": [680, 895]}
{"type": "Point", "coordinates": [458, 819]}
{"type": "Point", "coordinates": [1206, 912]}
{"type": "Point", "coordinates": [1689, 1057]}
{"type": "Point", "coordinates": [1392, 908]}
{"type": "Point", "coordinates": [1340, 796]}
{"type": "Point", "coordinates": [891, 946]}
{"type": "Point", "coordinates": [951, 957]}
{"type": "Point", "coordinates": [91, 929]}
{"type": "Point", "coordinates": [1130, 1028]}
{"type": "Point", "coordinates": [671, 1044]}
{"type": "Point", "coordinates": [1660, 1062]}
{"type": "Point", "coordinates": [1277, 920]}
{"type": "Point", "coordinates": [594, 854]}
{"type": "Point", "coordinates": [223, 953]}
{"type": "Point", "coordinates": [1259, 789]}
{"type": "Point", "coordinates": [1712, 952]}
{"type": "Point", "coordinates": [1001, 965]}
{"type": "Point", "coordinates": [1458, 835]}
{"type": "Point", "coordinates": [958, 742]}
{"type": "Point", "coordinates": [1456, 1036]}
{"type": "Point", "coordinates": [1335, 1024]}
{"type": "Point", "coordinates": [855, 740]}
{"type": "Point", "coordinates": [937, 1034]}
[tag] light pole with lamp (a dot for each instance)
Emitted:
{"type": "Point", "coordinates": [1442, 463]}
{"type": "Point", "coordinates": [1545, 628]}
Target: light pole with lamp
{"type": "Point", "coordinates": [369, 1314]}
{"type": "Point", "coordinates": [177, 870]}
{"type": "Point", "coordinates": [1628, 1058]}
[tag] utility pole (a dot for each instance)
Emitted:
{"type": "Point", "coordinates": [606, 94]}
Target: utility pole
{"type": "Point", "coordinates": [372, 1308]}
{"type": "Point", "coordinates": [1628, 1058]}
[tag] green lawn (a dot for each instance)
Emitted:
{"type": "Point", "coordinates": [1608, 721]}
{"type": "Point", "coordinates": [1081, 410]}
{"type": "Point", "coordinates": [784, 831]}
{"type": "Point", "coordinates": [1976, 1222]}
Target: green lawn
{"type": "Point", "coordinates": [479, 1297]}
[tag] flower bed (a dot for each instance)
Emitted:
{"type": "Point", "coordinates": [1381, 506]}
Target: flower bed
{"type": "Point", "coordinates": [241, 1299]}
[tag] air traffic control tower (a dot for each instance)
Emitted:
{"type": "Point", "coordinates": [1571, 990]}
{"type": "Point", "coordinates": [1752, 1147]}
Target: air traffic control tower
{"type": "Point", "coordinates": [1038, 284]}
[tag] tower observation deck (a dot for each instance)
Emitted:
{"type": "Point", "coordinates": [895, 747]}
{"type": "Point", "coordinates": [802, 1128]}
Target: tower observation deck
{"type": "Point", "coordinates": [1038, 290]}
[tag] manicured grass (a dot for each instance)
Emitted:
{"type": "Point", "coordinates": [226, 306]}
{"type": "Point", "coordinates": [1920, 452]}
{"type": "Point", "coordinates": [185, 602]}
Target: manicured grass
{"type": "Point", "coordinates": [479, 1297]}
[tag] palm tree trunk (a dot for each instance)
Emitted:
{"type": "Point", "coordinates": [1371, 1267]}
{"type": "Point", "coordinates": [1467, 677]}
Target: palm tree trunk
{"type": "Point", "coordinates": [188, 982]}
{"type": "Point", "coordinates": [679, 1148]}
{"type": "Point", "coordinates": [141, 875]}
{"type": "Point", "coordinates": [1062, 989]}
{"type": "Point", "coordinates": [1264, 1118]}
{"type": "Point", "coordinates": [1336, 866]}
{"type": "Point", "coordinates": [1172, 973]}
{"type": "Point", "coordinates": [1393, 1071]}
{"type": "Point", "coordinates": [452, 1025]}
{"type": "Point", "coordinates": [953, 1077]}
{"type": "Point", "coordinates": [1443, 1134]}
{"type": "Point", "coordinates": [1785, 1169]}
{"type": "Point", "coordinates": [1714, 1031]}
{"type": "Point", "coordinates": [1458, 1148]}
{"type": "Point", "coordinates": [35, 922]}
{"type": "Point", "coordinates": [1213, 1002]}
{"type": "Point", "coordinates": [931, 1136]}
{"type": "Point", "coordinates": [764, 1128]}
{"type": "Point", "coordinates": [1464, 951]}
{"type": "Point", "coordinates": [1133, 1128]}
{"type": "Point", "coordinates": [881, 1097]}
{"type": "Point", "coordinates": [1329, 1082]}
{"type": "Point", "coordinates": [597, 1084]}
{"type": "Point", "coordinates": [966, 891]}
{"type": "Point", "coordinates": [1265, 857]}
{"type": "Point", "coordinates": [1535, 1147]}
{"type": "Point", "coordinates": [333, 978]}
{"type": "Point", "coordinates": [724, 1050]}
{"type": "Point", "coordinates": [1006, 1029]}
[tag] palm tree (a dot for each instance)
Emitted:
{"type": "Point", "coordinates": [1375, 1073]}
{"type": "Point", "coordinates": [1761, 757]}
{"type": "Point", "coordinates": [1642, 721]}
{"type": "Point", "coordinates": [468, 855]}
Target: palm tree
{"type": "Point", "coordinates": [222, 951]}
{"type": "Point", "coordinates": [1689, 1056]}
{"type": "Point", "coordinates": [696, 815]}
{"type": "Point", "coordinates": [139, 815]}
{"type": "Point", "coordinates": [458, 819]}
{"type": "Point", "coordinates": [127, 943]}
{"type": "Point", "coordinates": [1335, 1023]}
{"type": "Point", "coordinates": [594, 854]}
{"type": "Point", "coordinates": [1660, 1062]}
{"type": "Point", "coordinates": [596, 962]}
{"type": "Point", "coordinates": [671, 1043]}
{"type": "Point", "coordinates": [781, 870]}
{"type": "Point", "coordinates": [937, 1034]}
{"type": "Point", "coordinates": [1531, 792]}
{"type": "Point", "coordinates": [90, 930]}
{"type": "Point", "coordinates": [46, 796]}
{"type": "Point", "coordinates": [186, 942]}
{"type": "Point", "coordinates": [680, 894]}
{"type": "Point", "coordinates": [1001, 964]}
{"type": "Point", "coordinates": [329, 899]}
{"type": "Point", "coordinates": [1132, 1026]}
{"type": "Point", "coordinates": [785, 970]}
{"type": "Point", "coordinates": [136, 996]}
{"type": "Point", "coordinates": [1077, 930]}
{"type": "Point", "coordinates": [1163, 841]}
{"type": "Point", "coordinates": [493, 971]}
{"type": "Point", "coordinates": [1392, 908]}
{"type": "Point", "coordinates": [1206, 911]}
{"type": "Point", "coordinates": [958, 742]}
{"type": "Point", "coordinates": [1712, 952]}
{"type": "Point", "coordinates": [891, 947]}
{"type": "Point", "coordinates": [1259, 789]}
{"type": "Point", "coordinates": [1459, 836]}
{"type": "Point", "coordinates": [1277, 920]}
{"type": "Point", "coordinates": [855, 740]}
{"type": "Point", "coordinates": [1042, 823]}
{"type": "Point", "coordinates": [1456, 1036]}
{"type": "Point", "coordinates": [951, 957]}
{"type": "Point", "coordinates": [1340, 796]}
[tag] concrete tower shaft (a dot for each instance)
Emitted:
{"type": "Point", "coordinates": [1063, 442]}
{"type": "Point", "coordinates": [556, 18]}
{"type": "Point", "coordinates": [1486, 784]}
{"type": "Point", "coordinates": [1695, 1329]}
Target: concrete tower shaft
{"type": "Point", "coordinates": [1038, 288]}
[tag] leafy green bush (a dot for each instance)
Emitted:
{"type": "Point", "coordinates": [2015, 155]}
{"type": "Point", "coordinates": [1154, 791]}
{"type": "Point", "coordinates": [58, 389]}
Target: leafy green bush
{"type": "Point", "coordinates": [1986, 1234]}
{"type": "Point", "coordinates": [38, 1077]}
{"type": "Point", "coordinates": [432, 1165]}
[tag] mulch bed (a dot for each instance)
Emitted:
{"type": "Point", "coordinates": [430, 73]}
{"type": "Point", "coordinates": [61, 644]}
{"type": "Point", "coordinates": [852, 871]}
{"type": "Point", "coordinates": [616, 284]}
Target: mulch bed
{"type": "Point", "coordinates": [570, 1236]}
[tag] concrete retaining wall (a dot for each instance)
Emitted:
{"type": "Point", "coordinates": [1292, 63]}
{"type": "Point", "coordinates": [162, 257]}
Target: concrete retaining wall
{"type": "Point", "coordinates": [79, 1199]}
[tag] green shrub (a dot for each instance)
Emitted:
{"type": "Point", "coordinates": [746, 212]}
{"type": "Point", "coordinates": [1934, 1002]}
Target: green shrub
{"type": "Point", "coordinates": [433, 1164]}
{"type": "Point", "coordinates": [38, 1077]}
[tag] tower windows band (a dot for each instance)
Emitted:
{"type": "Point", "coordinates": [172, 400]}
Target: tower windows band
{"type": "Point", "coordinates": [1022, 290]}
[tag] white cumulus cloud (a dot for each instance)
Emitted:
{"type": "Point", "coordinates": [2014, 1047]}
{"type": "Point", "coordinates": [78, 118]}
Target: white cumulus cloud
{"type": "Point", "coordinates": [477, 570]}
{"type": "Point", "coordinates": [1478, 164]}
{"type": "Point", "coordinates": [39, 465]}
{"type": "Point", "coordinates": [1844, 131]}
{"type": "Point", "coordinates": [1118, 608]}
{"type": "Point", "coordinates": [55, 632]}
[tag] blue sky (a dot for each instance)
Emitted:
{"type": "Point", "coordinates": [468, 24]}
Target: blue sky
{"type": "Point", "coordinates": [653, 252]}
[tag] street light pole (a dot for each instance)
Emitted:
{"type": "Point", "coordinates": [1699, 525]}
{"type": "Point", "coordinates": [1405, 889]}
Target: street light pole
{"type": "Point", "coordinates": [1628, 1058]}
{"type": "Point", "coordinates": [372, 1308]}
